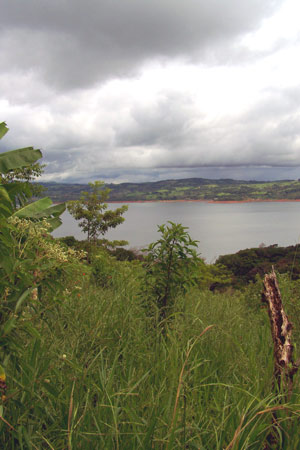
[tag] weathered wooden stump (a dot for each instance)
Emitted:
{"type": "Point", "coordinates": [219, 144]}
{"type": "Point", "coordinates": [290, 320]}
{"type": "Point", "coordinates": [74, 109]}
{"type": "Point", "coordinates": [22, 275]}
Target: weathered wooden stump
{"type": "Point", "coordinates": [284, 365]}
{"type": "Point", "coordinates": [281, 329]}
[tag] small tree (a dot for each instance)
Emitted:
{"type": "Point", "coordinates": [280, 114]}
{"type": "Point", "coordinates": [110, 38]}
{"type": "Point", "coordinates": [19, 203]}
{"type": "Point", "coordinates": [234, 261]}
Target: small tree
{"type": "Point", "coordinates": [92, 213]}
{"type": "Point", "coordinates": [171, 266]}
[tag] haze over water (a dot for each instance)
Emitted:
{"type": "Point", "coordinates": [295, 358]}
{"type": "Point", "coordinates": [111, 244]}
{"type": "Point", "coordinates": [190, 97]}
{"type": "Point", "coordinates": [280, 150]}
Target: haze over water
{"type": "Point", "coordinates": [220, 228]}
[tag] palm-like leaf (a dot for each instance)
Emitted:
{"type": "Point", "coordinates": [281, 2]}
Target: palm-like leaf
{"type": "Point", "coordinates": [16, 159]}
{"type": "Point", "coordinates": [3, 129]}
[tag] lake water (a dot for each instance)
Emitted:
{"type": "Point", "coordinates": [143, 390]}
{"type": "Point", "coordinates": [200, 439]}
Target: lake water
{"type": "Point", "coordinates": [220, 228]}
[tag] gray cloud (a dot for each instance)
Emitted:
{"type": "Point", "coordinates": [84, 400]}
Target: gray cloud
{"type": "Point", "coordinates": [71, 44]}
{"type": "Point", "coordinates": [165, 124]}
{"type": "Point", "coordinates": [72, 84]}
{"type": "Point", "coordinates": [168, 137]}
{"type": "Point", "coordinates": [267, 134]}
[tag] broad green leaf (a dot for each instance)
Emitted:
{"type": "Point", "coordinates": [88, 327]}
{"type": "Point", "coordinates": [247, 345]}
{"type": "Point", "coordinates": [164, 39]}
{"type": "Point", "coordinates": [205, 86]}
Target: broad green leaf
{"type": "Point", "coordinates": [15, 159]}
{"type": "Point", "coordinates": [6, 261]}
{"type": "Point", "coordinates": [3, 129]}
{"type": "Point", "coordinates": [55, 211]}
{"type": "Point", "coordinates": [54, 223]}
{"type": "Point", "coordinates": [34, 210]}
{"type": "Point", "coordinates": [18, 190]}
{"type": "Point", "coordinates": [5, 203]}
{"type": "Point", "coordinates": [5, 211]}
{"type": "Point", "coordinates": [4, 194]}
{"type": "Point", "coordinates": [6, 245]}
{"type": "Point", "coordinates": [43, 209]}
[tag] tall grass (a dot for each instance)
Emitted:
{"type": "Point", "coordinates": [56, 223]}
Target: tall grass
{"type": "Point", "coordinates": [96, 374]}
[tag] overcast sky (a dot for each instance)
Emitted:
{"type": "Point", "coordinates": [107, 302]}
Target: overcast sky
{"type": "Point", "coordinates": [141, 90]}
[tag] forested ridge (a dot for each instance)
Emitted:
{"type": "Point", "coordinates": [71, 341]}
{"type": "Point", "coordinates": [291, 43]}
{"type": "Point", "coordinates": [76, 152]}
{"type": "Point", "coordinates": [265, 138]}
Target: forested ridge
{"type": "Point", "coordinates": [185, 189]}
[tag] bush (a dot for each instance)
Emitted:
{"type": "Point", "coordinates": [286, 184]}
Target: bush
{"type": "Point", "coordinates": [171, 267]}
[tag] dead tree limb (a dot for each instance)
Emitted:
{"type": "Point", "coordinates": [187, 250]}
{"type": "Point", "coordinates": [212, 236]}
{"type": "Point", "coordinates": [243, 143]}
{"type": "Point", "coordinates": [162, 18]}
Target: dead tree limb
{"type": "Point", "coordinates": [284, 365]}
{"type": "Point", "coordinates": [281, 329]}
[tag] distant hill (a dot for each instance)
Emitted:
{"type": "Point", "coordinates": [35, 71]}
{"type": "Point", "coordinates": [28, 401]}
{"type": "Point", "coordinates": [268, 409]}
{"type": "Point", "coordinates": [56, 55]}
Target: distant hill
{"type": "Point", "coordinates": [184, 189]}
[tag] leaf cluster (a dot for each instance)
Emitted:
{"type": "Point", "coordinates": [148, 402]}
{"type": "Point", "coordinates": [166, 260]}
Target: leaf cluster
{"type": "Point", "coordinates": [246, 264]}
{"type": "Point", "coordinates": [92, 213]}
{"type": "Point", "coordinates": [171, 265]}
{"type": "Point", "coordinates": [29, 257]}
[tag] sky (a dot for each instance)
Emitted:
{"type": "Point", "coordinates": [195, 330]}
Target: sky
{"type": "Point", "coordinates": [145, 90]}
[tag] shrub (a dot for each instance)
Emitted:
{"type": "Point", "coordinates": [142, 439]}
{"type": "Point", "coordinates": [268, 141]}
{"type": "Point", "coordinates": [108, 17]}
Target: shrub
{"type": "Point", "coordinates": [171, 266]}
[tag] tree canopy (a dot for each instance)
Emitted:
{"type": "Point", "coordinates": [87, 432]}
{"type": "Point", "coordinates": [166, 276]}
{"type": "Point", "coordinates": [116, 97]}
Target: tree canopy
{"type": "Point", "coordinates": [92, 213]}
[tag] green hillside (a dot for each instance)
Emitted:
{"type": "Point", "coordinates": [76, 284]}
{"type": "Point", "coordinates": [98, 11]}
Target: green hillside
{"type": "Point", "coordinates": [185, 189]}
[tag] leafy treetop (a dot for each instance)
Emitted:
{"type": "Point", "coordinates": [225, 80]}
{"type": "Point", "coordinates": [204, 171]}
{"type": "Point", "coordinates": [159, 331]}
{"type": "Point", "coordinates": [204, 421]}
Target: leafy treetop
{"type": "Point", "coordinates": [92, 213]}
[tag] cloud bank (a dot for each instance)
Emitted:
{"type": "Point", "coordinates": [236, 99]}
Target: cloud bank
{"type": "Point", "coordinates": [138, 90]}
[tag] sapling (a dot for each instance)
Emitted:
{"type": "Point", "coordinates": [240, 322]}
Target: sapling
{"type": "Point", "coordinates": [171, 266]}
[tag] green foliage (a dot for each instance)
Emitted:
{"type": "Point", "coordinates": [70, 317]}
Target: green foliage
{"type": "Point", "coordinates": [85, 368]}
{"type": "Point", "coordinates": [213, 276]}
{"type": "Point", "coordinates": [110, 272]}
{"type": "Point", "coordinates": [97, 375]}
{"type": "Point", "coordinates": [18, 159]}
{"type": "Point", "coordinates": [92, 213]}
{"type": "Point", "coordinates": [16, 193]}
{"type": "Point", "coordinates": [171, 266]}
{"type": "Point", "coordinates": [29, 258]}
{"type": "Point", "coordinates": [37, 262]}
{"type": "Point", "coordinates": [26, 175]}
{"type": "Point", "coordinates": [122, 254]}
{"type": "Point", "coordinates": [246, 264]}
{"type": "Point", "coordinates": [20, 168]}
{"type": "Point", "coordinates": [69, 241]}
{"type": "Point", "coordinates": [103, 269]}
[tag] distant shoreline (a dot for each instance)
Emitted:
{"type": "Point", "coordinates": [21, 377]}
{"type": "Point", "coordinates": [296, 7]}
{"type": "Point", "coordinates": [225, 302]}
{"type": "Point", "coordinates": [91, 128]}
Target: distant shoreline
{"type": "Point", "coordinates": [284, 200]}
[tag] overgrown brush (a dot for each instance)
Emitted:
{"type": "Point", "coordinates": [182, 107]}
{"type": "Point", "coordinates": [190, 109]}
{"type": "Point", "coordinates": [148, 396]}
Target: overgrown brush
{"type": "Point", "coordinates": [98, 376]}
{"type": "Point", "coordinates": [87, 367]}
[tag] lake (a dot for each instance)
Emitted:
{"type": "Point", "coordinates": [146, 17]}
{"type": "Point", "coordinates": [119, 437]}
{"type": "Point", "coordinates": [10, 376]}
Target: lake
{"type": "Point", "coordinates": [220, 228]}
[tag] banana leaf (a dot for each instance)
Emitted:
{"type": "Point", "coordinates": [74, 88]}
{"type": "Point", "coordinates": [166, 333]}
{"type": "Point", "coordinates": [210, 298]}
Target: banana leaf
{"type": "Point", "coordinates": [16, 159]}
{"type": "Point", "coordinates": [18, 192]}
{"type": "Point", "coordinates": [34, 210]}
{"type": "Point", "coordinates": [3, 129]}
{"type": "Point", "coordinates": [55, 211]}
{"type": "Point", "coordinates": [5, 203]}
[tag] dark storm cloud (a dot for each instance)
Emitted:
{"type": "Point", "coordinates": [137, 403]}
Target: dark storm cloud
{"type": "Point", "coordinates": [72, 44]}
{"type": "Point", "coordinates": [74, 83]}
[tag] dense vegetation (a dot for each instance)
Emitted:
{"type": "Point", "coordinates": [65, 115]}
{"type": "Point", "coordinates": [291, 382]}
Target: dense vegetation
{"type": "Point", "coordinates": [245, 265]}
{"type": "Point", "coordinates": [186, 189]}
{"type": "Point", "coordinates": [111, 354]}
